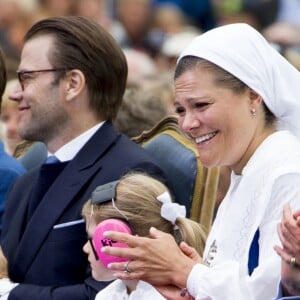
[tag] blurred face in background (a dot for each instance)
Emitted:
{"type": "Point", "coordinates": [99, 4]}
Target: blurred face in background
{"type": "Point", "coordinates": [135, 16]}
{"type": "Point", "coordinates": [59, 7]}
{"type": "Point", "coordinates": [10, 120]}
{"type": "Point", "coordinates": [94, 9]}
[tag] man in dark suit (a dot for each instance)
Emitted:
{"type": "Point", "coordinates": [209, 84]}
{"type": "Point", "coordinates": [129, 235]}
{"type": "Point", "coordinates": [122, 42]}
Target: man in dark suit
{"type": "Point", "coordinates": [72, 78]}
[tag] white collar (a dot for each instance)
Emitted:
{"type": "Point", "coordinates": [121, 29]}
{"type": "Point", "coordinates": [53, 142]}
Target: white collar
{"type": "Point", "coordinates": [69, 150]}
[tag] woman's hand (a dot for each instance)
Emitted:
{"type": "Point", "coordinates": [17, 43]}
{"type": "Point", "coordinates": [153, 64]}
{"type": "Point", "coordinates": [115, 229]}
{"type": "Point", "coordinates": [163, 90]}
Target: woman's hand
{"type": "Point", "coordinates": [289, 234]}
{"type": "Point", "coordinates": [191, 252]}
{"type": "Point", "coordinates": [172, 292]}
{"type": "Point", "coordinates": [157, 260]}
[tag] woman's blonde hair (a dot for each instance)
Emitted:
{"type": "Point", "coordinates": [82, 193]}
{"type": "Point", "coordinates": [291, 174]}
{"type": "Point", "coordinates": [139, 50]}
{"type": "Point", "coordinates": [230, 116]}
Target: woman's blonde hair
{"type": "Point", "coordinates": [136, 198]}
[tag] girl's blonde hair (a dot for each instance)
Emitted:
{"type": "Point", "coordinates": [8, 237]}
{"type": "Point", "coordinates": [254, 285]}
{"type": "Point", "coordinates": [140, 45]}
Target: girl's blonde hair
{"type": "Point", "coordinates": [136, 198]}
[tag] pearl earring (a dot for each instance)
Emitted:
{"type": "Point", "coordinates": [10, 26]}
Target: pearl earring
{"type": "Point", "coordinates": [253, 112]}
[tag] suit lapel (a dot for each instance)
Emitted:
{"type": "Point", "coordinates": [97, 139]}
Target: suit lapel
{"type": "Point", "coordinates": [73, 178]}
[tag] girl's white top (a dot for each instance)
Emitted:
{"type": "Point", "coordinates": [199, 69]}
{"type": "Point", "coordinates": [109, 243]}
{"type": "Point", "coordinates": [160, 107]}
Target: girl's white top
{"type": "Point", "coordinates": [117, 291]}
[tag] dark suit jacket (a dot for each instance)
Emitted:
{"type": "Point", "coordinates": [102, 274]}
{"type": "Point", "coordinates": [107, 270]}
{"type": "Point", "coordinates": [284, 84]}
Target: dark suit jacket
{"type": "Point", "coordinates": [49, 262]}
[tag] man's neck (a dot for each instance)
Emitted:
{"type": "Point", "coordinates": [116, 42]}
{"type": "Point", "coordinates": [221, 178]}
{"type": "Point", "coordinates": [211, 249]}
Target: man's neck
{"type": "Point", "coordinates": [69, 149]}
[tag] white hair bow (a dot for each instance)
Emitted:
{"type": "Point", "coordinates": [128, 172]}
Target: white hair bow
{"type": "Point", "coordinates": [170, 210]}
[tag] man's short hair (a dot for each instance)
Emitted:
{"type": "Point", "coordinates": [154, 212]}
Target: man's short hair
{"type": "Point", "coordinates": [81, 43]}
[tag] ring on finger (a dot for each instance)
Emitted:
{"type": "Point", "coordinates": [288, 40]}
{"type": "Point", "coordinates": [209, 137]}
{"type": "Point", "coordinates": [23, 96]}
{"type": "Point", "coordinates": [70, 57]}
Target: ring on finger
{"type": "Point", "coordinates": [126, 268]}
{"type": "Point", "coordinates": [292, 261]}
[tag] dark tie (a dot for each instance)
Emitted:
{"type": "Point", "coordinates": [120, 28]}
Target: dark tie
{"type": "Point", "coordinates": [52, 159]}
{"type": "Point", "coordinates": [47, 175]}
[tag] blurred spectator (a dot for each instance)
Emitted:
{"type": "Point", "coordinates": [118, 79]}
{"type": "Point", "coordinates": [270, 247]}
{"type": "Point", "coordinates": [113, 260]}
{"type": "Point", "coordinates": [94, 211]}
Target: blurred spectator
{"type": "Point", "coordinates": [289, 11]}
{"type": "Point", "coordinates": [57, 7]}
{"type": "Point", "coordinates": [139, 111]}
{"type": "Point", "coordinates": [169, 18]}
{"type": "Point", "coordinates": [10, 119]}
{"type": "Point", "coordinates": [96, 10]}
{"type": "Point", "coordinates": [285, 28]}
{"type": "Point", "coordinates": [133, 20]}
{"type": "Point", "coordinates": [13, 143]}
{"type": "Point", "coordinates": [10, 168]}
{"type": "Point", "coordinates": [140, 65]}
{"type": "Point", "coordinates": [132, 26]}
{"type": "Point", "coordinates": [263, 12]}
{"type": "Point", "coordinates": [269, 12]}
{"type": "Point", "coordinates": [174, 45]}
{"type": "Point", "coordinates": [12, 64]}
{"type": "Point", "coordinates": [292, 54]}
{"type": "Point", "coordinates": [200, 13]}
{"type": "Point", "coordinates": [161, 86]}
{"type": "Point", "coordinates": [15, 19]}
{"type": "Point", "coordinates": [232, 11]}
{"type": "Point", "coordinates": [284, 31]}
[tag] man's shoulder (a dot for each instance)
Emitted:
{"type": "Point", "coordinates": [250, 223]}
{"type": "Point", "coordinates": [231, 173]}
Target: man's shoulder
{"type": "Point", "coordinates": [128, 150]}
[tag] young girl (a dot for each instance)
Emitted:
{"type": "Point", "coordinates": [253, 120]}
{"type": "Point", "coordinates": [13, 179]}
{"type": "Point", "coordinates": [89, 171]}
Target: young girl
{"type": "Point", "coordinates": [141, 202]}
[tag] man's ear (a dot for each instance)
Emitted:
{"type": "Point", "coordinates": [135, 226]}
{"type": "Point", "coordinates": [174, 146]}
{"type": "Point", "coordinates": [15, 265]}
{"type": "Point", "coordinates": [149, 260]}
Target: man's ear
{"type": "Point", "coordinates": [75, 84]}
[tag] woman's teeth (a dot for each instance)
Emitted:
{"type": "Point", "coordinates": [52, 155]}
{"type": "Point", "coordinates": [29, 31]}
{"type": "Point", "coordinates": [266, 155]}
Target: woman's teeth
{"type": "Point", "coordinates": [205, 137]}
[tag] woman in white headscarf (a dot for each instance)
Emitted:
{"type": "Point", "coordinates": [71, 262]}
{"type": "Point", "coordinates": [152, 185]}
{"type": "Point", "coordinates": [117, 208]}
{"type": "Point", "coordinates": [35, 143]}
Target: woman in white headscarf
{"type": "Point", "coordinates": [240, 102]}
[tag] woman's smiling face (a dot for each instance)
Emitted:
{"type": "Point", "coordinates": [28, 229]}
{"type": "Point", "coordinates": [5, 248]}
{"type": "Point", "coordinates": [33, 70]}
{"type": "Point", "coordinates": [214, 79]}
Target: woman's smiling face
{"type": "Point", "coordinates": [218, 119]}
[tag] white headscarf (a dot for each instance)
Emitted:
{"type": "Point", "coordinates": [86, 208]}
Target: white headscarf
{"type": "Point", "coordinates": [244, 52]}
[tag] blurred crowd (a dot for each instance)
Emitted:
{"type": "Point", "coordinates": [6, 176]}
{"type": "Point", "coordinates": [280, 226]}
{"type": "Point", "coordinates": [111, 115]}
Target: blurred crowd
{"type": "Point", "coordinates": [152, 34]}
{"type": "Point", "coordinates": [157, 28]}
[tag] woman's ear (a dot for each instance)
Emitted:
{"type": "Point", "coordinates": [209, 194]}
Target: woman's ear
{"type": "Point", "coordinates": [75, 84]}
{"type": "Point", "coordinates": [255, 99]}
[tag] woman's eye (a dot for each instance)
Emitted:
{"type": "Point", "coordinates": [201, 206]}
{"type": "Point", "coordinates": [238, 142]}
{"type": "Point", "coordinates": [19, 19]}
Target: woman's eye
{"type": "Point", "coordinates": [201, 104]}
{"type": "Point", "coordinates": [179, 110]}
